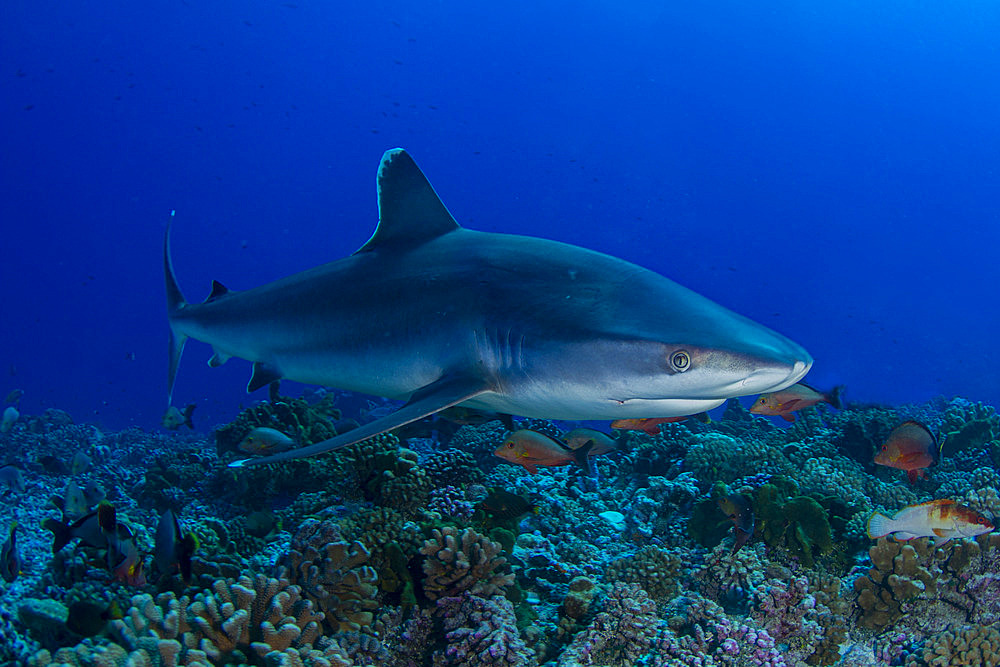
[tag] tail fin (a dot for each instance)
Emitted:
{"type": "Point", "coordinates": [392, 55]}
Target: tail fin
{"type": "Point", "coordinates": [175, 301]}
{"type": "Point", "coordinates": [188, 411]}
{"type": "Point", "coordinates": [60, 533]}
{"type": "Point", "coordinates": [879, 525]}
{"type": "Point", "coordinates": [834, 396]}
{"type": "Point", "coordinates": [582, 457]}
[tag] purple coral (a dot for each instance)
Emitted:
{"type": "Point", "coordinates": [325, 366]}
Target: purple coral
{"type": "Point", "coordinates": [450, 501]}
{"type": "Point", "coordinates": [481, 632]}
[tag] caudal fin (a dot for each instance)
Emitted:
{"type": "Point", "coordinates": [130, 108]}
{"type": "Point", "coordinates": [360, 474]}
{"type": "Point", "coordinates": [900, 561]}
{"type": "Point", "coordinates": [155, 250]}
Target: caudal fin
{"type": "Point", "coordinates": [582, 457]}
{"type": "Point", "coordinates": [175, 301]}
{"type": "Point", "coordinates": [834, 396]}
{"type": "Point", "coordinates": [879, 525]}
{"type": "Point", "coordinates": [61, 534]}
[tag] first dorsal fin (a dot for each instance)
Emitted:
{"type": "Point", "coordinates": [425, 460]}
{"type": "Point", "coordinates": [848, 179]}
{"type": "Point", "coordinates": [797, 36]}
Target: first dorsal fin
{"type": "Point", "coordinates": [409, 211]}
{"type": "Point", "coordinates": [218, 290]}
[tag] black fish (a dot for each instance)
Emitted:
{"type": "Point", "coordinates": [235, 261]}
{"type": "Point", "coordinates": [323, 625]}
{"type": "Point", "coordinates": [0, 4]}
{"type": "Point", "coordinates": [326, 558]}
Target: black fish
{"type": "Point", "coordinates": [10, 560]}
{"type": "Point", "coordinates": [87, 618]}
{"type": "Point", "coordinates": [174, 548]}
{"type": "Point", "coordinates": [505, 505]}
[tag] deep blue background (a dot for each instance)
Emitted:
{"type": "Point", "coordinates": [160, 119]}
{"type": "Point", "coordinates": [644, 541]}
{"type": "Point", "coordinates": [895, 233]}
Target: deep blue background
{"type": "Point", "coordinates": [831, 171]}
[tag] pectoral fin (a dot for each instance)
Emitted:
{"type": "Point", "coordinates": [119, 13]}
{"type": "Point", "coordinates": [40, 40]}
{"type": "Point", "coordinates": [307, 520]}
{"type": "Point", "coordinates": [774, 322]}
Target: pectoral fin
{"type": "Point", "coordinates": [444, 393]}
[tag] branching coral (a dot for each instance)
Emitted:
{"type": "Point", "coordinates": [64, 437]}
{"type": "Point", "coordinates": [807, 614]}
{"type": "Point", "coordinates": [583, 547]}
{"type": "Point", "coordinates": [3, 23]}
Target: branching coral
{"type": "Point", "coordinates": [333, 574]}
{"type": "Point", "coordinates": [463, 560]}
{"type": "Point", "coordinates": [624, 630]}
{"type": "Point", "coordinates": [656, 569]}
{"type": "Point", "coordinates": [234, 622]}
{"type": "Point", "coordinates": [959, 647]}
{"type": "Point", "coordinates": [480, 632]}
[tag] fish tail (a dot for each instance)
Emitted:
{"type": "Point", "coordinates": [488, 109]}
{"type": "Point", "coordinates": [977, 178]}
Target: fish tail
{"type": "Point", "coordinates": [582, 457]}
{"type": "Point", "coordinates": [175, 302]}
{"type": "Point", "coordinates": [60, 533]}
{"type": "Point", "coordinates": [880, 525]}
{"type": "Point", "coordinates": [188, 411]}
{"type": "Point", "coordinates": [835, 396]}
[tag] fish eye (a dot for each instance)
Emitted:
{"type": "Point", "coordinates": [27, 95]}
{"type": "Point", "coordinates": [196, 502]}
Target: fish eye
{"type": "Point", "coordinates": [680, 361]}
{"type": "Point", "coordinates": [510, 444]}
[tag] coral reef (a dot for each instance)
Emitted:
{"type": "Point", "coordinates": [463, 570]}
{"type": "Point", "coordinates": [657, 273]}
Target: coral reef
{"type": "Point", "coordinates": [432, 552]}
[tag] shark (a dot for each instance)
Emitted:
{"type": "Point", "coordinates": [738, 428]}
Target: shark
{"type": "Point", "coordinates": [438, 315]}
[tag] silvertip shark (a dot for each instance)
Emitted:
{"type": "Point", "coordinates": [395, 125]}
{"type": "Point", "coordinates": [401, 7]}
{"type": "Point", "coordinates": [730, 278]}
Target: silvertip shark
{"type": "Point", "coordinates": [437, 315]}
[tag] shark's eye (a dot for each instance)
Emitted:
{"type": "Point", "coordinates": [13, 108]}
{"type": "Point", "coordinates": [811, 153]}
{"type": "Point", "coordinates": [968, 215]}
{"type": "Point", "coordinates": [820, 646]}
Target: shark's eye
{"type": "Point", "coordinates": [680, 361]}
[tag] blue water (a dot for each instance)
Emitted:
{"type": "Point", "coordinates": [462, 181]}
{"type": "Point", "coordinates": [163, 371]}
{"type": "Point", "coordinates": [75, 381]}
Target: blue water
{"type": "Point", "coordinates": [829, 170]}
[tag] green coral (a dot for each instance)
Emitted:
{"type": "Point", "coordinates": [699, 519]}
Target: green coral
{"type": "Point", "coordinates": [968, 425]}
{"type": "Point", "coordinates": [304, 423]}
{"type": "Point", "coordinates": [795, 523]}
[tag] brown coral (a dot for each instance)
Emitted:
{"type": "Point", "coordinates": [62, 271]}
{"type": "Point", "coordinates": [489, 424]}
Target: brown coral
{"type": "Point", "coordinates": [333, 574]}
{"type": "Point", "coordinates": [897, 576]}
{"type": "Point", "coordinates": [463, 560]}
{"type": "Point", "coordinates": [656, 569]}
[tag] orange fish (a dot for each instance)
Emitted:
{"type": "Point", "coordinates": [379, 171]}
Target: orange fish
{"type": "Point", "coordinates": [944, 519]}
{"type": "Point", "coordinates": [532, 449]}
{"type": "Point", "coordinates": [651, 425]}
{"type": "Point", "coordinates": [791, 399]}
{"type": "Point", "coordinates": [910, 447]}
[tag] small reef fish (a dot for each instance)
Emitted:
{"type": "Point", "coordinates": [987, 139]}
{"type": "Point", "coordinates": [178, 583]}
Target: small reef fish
{"type": "Point", "coordinates": [651, 425]}
{"type": "Point", "coordinates": [124, 559]}
{"type": "Point", "coordinates": [14, 397]}
{"type": "Point", "coordinates": [532, 449]}
{"type": "Point", "coordinates": [12, 477]}
{"type": "Point", "coordinates": [10, 560]}
{"type": "Point", "coordinates": [73, 503]}
{"type": "Point", "coordinates": [578, 437]}
{"type": "Point", "coordinates": [53, 464]}
{"type": "Point", "coordinates": [173, 418]}
{"type": "Point", "coordinates": [79, 464]}
{"type": "Point", "coordinates": [91, 529]}
{"type": "Point", "coordinates": [943, 519]}
{"type": "Point", "coordinates": [506, 505]}
{"type": "Point", "coordinates": [10, 416]}
{"type": "Point", "coordinates": [88, 618]}
{"type": "Point", "coordinates": [174, 548]}
{"type": "Point", "coordinates": [911, 447]}
{"type": "Point", "coordinates": [792, 399]}
{"type": "Point", "coordinates": [739, 509]}
{"type": "Point", "coordinates": [264, 440]}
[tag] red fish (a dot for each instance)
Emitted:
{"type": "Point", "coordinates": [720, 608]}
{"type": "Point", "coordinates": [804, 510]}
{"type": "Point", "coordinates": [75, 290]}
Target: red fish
{"type": "Point", "coordinates": [651, 425]}
{"type": "Point", "coordinates": [911, 447]}
{"type": "Point", "coordinates": [792, 399]}
{"type": "Point", "coordinates": [532, 449]}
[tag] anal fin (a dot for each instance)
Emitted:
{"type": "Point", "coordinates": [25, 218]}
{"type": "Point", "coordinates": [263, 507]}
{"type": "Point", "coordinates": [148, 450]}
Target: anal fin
{"type": "Point", "coordinates": [444, 393]}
